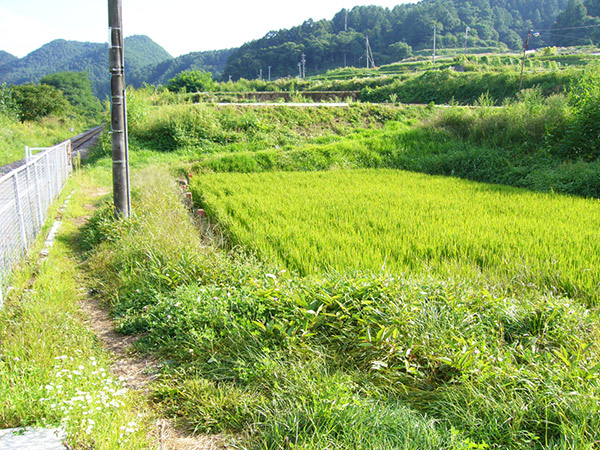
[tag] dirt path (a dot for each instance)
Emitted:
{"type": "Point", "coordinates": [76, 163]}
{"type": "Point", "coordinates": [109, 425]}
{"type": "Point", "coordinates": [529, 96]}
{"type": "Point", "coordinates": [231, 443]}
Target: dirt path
{"type": "Point", "coordinates": [135, 371]}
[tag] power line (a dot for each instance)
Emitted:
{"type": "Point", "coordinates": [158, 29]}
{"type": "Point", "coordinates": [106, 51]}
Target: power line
{"type": "Point", "coordinates": [579, 38]}
{"type": "Point", "coordinates": [569, 28]}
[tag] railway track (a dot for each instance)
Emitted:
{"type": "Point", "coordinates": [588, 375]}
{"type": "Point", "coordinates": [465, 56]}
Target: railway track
{"type": "Point", "coordinates": [80, 141]}
{"type": "Point", "coordinates": [79, 144]}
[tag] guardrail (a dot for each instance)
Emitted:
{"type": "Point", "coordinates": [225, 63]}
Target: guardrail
{"type": "Point", "coordinates": [26, 193]}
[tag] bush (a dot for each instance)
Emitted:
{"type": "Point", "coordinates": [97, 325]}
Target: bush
{"type": "Point", "coordinates": [8, 106]}
{"type": "Point", "coordinates": [192, 81]}
{"type": "Point", "coordinates": [37, 101]}
{"type": "Point", "coordinates": [583, 136]}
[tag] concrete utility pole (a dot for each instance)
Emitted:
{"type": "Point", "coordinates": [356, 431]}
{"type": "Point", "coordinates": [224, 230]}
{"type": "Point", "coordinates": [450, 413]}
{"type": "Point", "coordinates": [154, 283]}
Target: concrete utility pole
{"type": "Point", "coordinates": [434, 38]}
{"type": "Point", "coordinates": [466, 39]}
{"type": "Point", "coordinates": [299, 70]}
{"type": "Point", "coordinates": [303, 65]}
{"type": "Point", "coordinates": [260, 74]}
{"type": "Point", "coordinates": [525, 47]}
{"type": "Point", "coordinates": [269, 74]}
{"type": "Point", "coordinates": [120, 157]}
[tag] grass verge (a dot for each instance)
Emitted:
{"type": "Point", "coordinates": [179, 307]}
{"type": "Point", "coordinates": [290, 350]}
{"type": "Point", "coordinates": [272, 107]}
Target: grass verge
{"type": "Point", "coordinates": [53, 371]}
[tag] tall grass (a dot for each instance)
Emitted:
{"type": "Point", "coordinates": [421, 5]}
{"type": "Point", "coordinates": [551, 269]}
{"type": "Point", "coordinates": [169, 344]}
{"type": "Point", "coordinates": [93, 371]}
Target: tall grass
{"type": "Point", "coordinates": [447, 86]}
{"type": "Point", "coordinates": [208, 129]}
{"type": "Point", "coordinates": [14, 135]}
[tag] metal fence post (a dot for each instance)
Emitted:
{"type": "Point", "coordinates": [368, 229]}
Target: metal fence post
{"type": "Point", "coordinates": [57, 162]}
{"type": "Point", "coordinates": [20, 213]}
{"type": "Point", "coordinates": [38, 196]}
{"type": "Point", "coordinates": [30, 200]}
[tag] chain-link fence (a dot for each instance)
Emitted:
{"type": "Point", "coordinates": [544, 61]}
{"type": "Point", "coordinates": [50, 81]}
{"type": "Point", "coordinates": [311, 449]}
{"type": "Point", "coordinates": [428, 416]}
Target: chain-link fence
{"type": "Point", "coordinates": [25, 195]}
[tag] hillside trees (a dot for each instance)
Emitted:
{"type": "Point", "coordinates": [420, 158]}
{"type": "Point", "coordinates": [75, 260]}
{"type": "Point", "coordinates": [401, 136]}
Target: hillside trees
{"type": "Point", "coordinates": [37, 101]}
{"type": "Point", "coordinates": [593, 7]}
{"type": "Point", "coordinates": [333, 43]}
{"type": "Point", "coordinates": [77, 89]}
{"type": "Point", "coordinates": [574, 26]}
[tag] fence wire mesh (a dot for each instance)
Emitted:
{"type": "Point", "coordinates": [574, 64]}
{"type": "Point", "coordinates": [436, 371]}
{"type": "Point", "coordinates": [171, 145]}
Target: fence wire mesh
{"type": "Point", "coordinates": [26, 193]}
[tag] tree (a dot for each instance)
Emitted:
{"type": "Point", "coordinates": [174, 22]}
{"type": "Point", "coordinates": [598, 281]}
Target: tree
{"type": "Point", "coordinates": [400, 51]}
{"type": "Point", "coordinates": [8, 106]}
{"type": "Point", "coordinates": [573, 26]}
{"type": "Point", "coordinates": [192, 81]}
{"type": "Point", "coordinates": [593, 8]}
{"type": "Point", "coordinates": [77, 89]}
{"type": "Point", "coordinates": [37, 101]}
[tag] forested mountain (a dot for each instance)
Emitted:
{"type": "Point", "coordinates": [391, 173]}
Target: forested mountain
{"type": "Point", "coordinates": [160, 73]}
{"type": "Point", "coordinates": [6, 58]}
{"type": "Point", "coordinates": [61, 55]}
{"type": "Point", "coordinates": [393, 33]}
{"type": "Point", "coordinates": [145, 62]}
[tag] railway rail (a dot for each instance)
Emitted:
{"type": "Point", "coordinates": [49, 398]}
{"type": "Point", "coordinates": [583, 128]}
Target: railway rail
{"type": "Point", "coordinates": [79, 144]}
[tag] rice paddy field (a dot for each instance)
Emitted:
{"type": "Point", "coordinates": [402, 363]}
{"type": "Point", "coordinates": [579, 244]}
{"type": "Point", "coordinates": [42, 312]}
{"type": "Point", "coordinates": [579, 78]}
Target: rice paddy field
{"type": "Point", "coordinates": [408, 223]}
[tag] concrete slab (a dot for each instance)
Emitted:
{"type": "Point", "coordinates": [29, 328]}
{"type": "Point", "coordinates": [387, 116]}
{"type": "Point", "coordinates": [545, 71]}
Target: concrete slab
{"type": "Point", "coordinates": [32, 439]}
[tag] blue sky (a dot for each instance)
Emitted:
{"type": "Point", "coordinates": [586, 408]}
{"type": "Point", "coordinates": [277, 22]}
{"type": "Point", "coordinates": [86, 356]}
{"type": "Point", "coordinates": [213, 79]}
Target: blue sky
{"type": "Point", "coordinates": [182, 27]}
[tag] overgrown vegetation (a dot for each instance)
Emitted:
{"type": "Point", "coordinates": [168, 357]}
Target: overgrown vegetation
{"type": "Point", "coordinates": [475, 326]}
{"type": "Point", "coordinates": [202, 129]}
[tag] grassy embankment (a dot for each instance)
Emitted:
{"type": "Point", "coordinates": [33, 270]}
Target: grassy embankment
{"type": "Point", "coordinates": [14, 135]}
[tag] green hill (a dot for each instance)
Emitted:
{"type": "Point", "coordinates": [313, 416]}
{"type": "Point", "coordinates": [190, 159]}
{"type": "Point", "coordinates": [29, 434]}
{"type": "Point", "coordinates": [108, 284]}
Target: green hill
{"type": "Point", "coordinates": [395, 33]}
{"type": "Point", "coordinates": [162, 72]}
{"type": "Point", "coordinates": [74, 56]}
{"type": "Point", "coordinates": [6, 58]}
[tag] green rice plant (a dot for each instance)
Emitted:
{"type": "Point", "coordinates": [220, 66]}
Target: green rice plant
{"type": "Point", "coordinates": [407, 223]}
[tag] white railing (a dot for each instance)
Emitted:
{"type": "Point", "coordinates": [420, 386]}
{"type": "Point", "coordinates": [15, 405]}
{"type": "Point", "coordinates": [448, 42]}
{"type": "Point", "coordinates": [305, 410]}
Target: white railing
{"type": "Point", "coordinates": [26, 193]}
